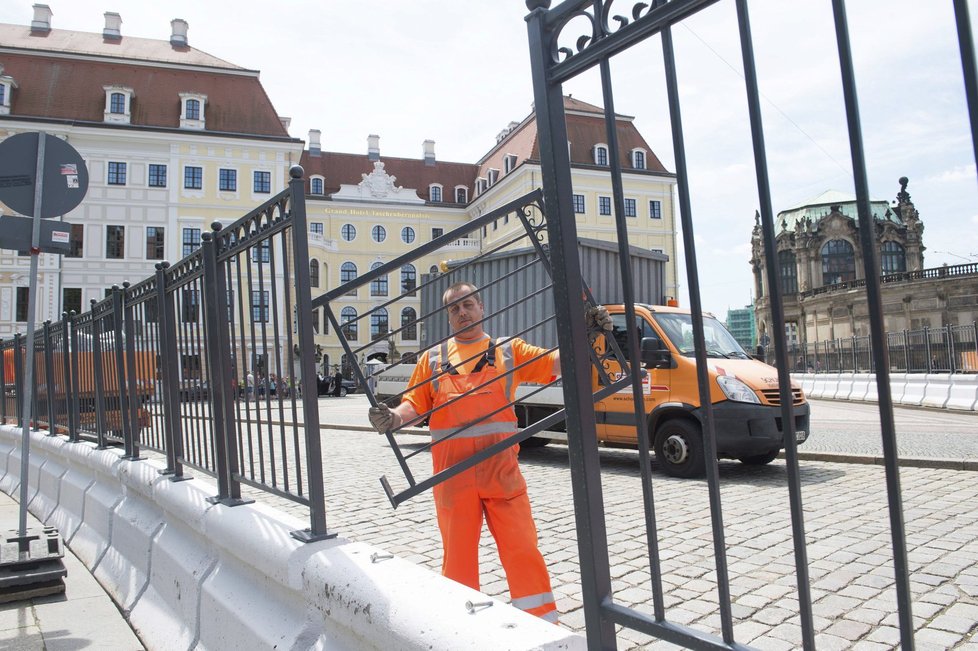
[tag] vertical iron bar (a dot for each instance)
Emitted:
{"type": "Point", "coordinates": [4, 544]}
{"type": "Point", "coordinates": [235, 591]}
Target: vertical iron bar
{"type": "Point", "coordinates": [927, 351]}
{"type": "Point", "coordinates": [950, 348]}
{"type": "Point", "coordinates": [3, 381]}
{"type": "Point", "coordinates": [66, 352]}
{"type": "Point", "coordinates": [75, 385]}
{"type": "Point", "coordinates": [967, 46]}
{"type": "Point", "coordinates": [119, 354]}
{"type": "Point", "coordinates": [98, 373]}
{"type": "Point", "coordinates": [855, 356]}
{"type": "Point", "coordinates": [49, 383]}
{"type": "Point", "coordinates": [307, 365]}
{"type": "Point", "coordinates": [906, 350]}
{"type": "Point", "coordinates": [571, 335]}
{"type": "Point", "coordinates": [133, 395]}
{"type": "Point", "coordinates": [874, 298]}
{"type": "Point", "coordinates": [777, 316]}
{"type": "Point", "coordinates": [699, 339]}
{"type": "Point", "coordinates": [167, 356]}
{"type": "Point", "coordinates": [634, 356]}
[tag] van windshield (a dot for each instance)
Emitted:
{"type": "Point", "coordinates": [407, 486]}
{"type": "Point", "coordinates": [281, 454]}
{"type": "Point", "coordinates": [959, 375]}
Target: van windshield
{"type": "Point", "coordinates": [719, 342]}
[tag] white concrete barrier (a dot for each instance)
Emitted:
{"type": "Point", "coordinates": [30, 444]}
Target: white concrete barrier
{"type": "Point", "coordinates": [861, 383]}
{"type": "Point", "coordinates": [963, 393]}
{"type": "Point", "coordinates": [916, 388]}
{"type": "Point", "coordinates": [938, 388]}
{"type": "Point", "coordinates": [190, 574]}
{"type": "Point", "coordinates": [820, 386]}
{"type": "Point", "coordinates": [898, 386]}
{"type": "Point", "coordinates": [843, 387]}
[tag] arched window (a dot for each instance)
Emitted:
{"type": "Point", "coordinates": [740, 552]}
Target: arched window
{"type": "Point", "coordinates": [348, 273]}
{"type": "Point", "coordinates": [409, 324]}
{"type": "Point", "coordinates": [789, 272]}
{"type": "Point", "coordinates": [433, 269]}
{"type": "Point", "coordinates": [838, 262]}
{"type": "Point", "coordinates": [379, 324]}
{"type": "Point", "coordinates": [434, 192]}
{"type": "Point", "coordinates": [407, 235]}
{"type": "Point", "coordinates": [379, 233]}
{"type": "Point", "coordinates": [638, 159]}
{"type": "Point", "coordinates": [409, 279]}
{"type": "Point", "coordinates": [348, 323]}
{"type": "Point", "coordinates": [893, 259]}
{"type": "Point", "coordinates": [316, 185]}
{"type": "Point", "coordinates": [600, 155]}
{"type": "Point", "coordinates": [314, 273]}
{"type": "Point", "coordinates": [193, 109]}
{"type": "Point", "coordinates": [378, 286]}
{"type": "Point", "coordinates": [349, 232]}
{"type": "Point", "coordinates": [117, 103]}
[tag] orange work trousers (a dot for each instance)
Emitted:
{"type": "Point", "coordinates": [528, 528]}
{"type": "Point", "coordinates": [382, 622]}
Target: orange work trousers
{"type": "Point", "coordinates": [493, 489]}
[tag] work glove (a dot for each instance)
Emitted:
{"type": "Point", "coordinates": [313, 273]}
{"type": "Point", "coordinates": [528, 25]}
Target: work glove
{"type": "Point", "coordinates": [383, 419]}
{"type": "Point", "coordinates": [596, 319]}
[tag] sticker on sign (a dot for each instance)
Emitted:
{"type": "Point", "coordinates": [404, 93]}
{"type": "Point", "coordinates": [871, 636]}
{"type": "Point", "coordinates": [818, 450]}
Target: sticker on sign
{"type": "Point", "coordinates": [61, 237]}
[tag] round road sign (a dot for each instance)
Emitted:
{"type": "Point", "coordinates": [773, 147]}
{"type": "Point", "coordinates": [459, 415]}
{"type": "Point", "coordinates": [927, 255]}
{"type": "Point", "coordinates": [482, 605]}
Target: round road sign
{"type": "Point", "coordinates": [65, 176]}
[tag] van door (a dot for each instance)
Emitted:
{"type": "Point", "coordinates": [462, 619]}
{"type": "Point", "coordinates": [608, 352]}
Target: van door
{"type": "Point", "coordinates": [616, 414]}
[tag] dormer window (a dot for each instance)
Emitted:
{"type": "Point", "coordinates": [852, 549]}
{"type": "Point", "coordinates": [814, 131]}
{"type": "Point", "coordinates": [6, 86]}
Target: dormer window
{"type": "Point", "coordinates": [192, 111]}
{"type": "Point", "coordinates": [118, 104]}
{"type": "Point", "coordinates": [461, 194]}
{"type": "Point", "coordinates": [493, 176]}
{"type": "Point", "coordinates": [509, 163]}
{"type": "Point", "coordinates": [316, 185]}
{"type": "Point", "coordinates": [434, 192]}
{"type": "Point", "coordinates": [480, 186]}
{"type": "Point", "coordinates": [601, 155]}
{"type": "Point", "coordinates": [638, 159]}
{"type": "Point", "coordinates": [7, 86]}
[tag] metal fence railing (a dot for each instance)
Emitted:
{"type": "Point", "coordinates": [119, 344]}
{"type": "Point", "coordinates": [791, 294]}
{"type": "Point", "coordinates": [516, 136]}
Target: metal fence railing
{"type": "Point", "coordinates": [949, 349]}
{"type": "Point", "coordinates": [201, 362]}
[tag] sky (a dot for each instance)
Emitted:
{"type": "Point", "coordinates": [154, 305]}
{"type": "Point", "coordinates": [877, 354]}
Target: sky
{"type": "Point", "coordinates": [458, 73]}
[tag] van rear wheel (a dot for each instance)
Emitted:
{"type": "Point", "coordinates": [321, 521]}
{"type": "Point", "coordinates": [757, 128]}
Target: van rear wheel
{"type": "Point", "coordinates": [679, 448]}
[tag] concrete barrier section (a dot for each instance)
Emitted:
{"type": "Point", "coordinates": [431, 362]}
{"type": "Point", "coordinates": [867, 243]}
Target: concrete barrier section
{"type": "Point", "coordinates": [898, 386]}
{"type": "Point", "coordinates": [916, 388]}
{"type": "Point", "coordinates": [963, 393]}
{"type": "Point", "coordinates": [938, 388]}
{"type": "Point", "coordinates": [864, 386]}
{"type": "Point", "coordinates": [819, 386]}
{"type": "Point", "coordinates": [843, 387]}
{"type": "Point", "coordinates": [190, 574]}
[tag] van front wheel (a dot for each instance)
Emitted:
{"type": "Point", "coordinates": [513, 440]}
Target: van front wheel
{"type": "Point", "coordinates": [679, 448]}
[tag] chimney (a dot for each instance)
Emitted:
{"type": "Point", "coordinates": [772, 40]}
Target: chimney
{"type": "Point", "coordinates": [113, 26]}
{"type": "Point", "coordinates": [178, 36]}
{"type": "Point", "coordinates": [315, 149]}
{"type": "Point", "coordinates": [373, 147]}
{"type": "Point", "coordinates": [42, 19]}
{"type": "Point", "coordinates": [429, 152]}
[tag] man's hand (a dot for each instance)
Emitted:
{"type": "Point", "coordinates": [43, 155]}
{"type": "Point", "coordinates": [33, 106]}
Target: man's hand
{"type": "Point", "coordinates": [383, 419]}
{"type": "Point", "coordinates": [596, 318]}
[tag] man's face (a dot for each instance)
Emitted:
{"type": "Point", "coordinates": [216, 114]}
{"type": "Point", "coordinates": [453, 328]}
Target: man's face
{"type": "Point", "coordinates": [463, 314]}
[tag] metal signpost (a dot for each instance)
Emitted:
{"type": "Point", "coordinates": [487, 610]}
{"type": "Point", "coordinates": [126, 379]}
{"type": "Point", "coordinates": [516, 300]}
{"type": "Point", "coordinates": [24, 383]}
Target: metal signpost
{"type": "Point", "coordinates": [42, 176]}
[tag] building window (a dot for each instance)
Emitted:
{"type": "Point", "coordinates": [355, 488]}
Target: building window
{"type": "Point", "coordinates": [227, 180]}
{"type": "Point", "coordinates": [191, 240]}
{"type": "Point", "coordinates": [348, 273]}
{"type": "Point", "coordinates": [3, 95]}
{"type": "Point", "coordinates": [461, 195]}
{"type": "Point", "coordinates": [378, 286]}
{"type": "Point", "coordinates": [509, 163]}
{"type": "Point", "coordinates": [192, 109]}
{"type": "Point", "coordinates": [262, 252]}
{"type": "Point", "coordinates": [638, 159]}
{"type": "Point", "coordinates": [379, 233]}
{"type": "Point", "coordinates": [157, 176]}
{"type": "Point", "coordinates": [71, 300]}
{"type": "Point", "coordinates": [316, 185]}
{"type": "Point", "coordinates": [189, 306]}
{"type": "Point", "coordinates": [579, 204]}
{"type": "Point", "coordinates": [407, 235]}
{"type": "Point", "coordinates": [316, 228]}
{"type": "Point", "coordinates": [117, 173]}
{"type": "Point", "coordinates": [600, 155]}
{"type": "Point", "coordinates": [117, 103]}
{"type": "Point", "coordinates": [893, 259]}
{"type": "Point", "coordinates": [436, 233]}
{"type": "Point", "coordinates": [604, 205]}
{"type": "Point", "coordinates": [434, 193]}
{"type": "Point", "coordinates": [349, 232]}
{"type": "Point", "coordinates": [838, 262]}
{"type": "Point", "coordinates": [348, 323]}
{"type": "Point", "coordinates": [480, 186]}
{"type": "Point", "coordinates": [493, 176]}
{"type": "Point", "coordinates": [115, 242]}
{"type": "Point", "coordinates": [409, 279]}
{"type": "Point", "coordinates": [379, 324]}
{"type": "Point", "coordinates": [409, 324]}
{"type": "Point", "coordinates": [259, 306]}
{"type": "Point", "coordinates": [655, 209]}
{"type": "Point", "coordinates": [193, 178]}
{"type": "Point", "coordinates": [433, 269]}
{"type": "Point", "coordinates": [23, 294]}
{"type": "Point", "coordinates": [154, 243]}
{"type": "Point", "coordinates": [630, 210]}
{"type": "Point", "coordinates": [789, 272]}
{"type": "Point", "coordinates": [315, 322]}
{"type": "Point", "coordinates": [263, 182]}
{"type": "Point", "coordinates": [314, 273]}
{"type": "Point", "coordinates": [77, 241]}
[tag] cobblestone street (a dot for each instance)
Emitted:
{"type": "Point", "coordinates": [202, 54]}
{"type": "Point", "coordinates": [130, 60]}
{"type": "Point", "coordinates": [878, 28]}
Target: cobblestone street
{"type": "Point", "coordinates": [845, 518]}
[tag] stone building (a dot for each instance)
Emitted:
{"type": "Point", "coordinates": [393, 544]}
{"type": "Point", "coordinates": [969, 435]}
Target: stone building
{"type": "Point", "coordinates": [820, 263]}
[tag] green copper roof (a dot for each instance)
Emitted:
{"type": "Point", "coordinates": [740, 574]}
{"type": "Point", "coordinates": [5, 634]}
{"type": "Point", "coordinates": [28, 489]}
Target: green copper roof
{"type": "Point", "coordinates": [820, 206]}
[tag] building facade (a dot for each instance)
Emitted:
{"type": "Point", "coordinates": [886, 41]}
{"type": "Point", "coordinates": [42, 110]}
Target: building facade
{"type": "Point", "coordinates": [741, 324]}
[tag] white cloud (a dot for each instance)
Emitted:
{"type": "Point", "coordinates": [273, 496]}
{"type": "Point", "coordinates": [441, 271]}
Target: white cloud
{"type": "Point", "coordinates": [959, 173]}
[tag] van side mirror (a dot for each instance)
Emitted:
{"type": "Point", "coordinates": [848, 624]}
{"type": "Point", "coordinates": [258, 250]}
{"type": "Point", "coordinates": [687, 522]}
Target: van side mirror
{"type": "Point", "coordinates": [759, 355]}
{"type": "Point", "coordinates": [654, 354]}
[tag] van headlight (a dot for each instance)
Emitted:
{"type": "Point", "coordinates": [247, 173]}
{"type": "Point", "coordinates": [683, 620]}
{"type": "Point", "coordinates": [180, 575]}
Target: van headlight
{"type": "Point", "coordinates": [736, 390]}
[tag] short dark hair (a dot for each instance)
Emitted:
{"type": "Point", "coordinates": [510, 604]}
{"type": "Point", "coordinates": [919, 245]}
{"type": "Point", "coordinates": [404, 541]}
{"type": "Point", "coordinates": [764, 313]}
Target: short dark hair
{"type": "Point", "coordinates": [473, 291]}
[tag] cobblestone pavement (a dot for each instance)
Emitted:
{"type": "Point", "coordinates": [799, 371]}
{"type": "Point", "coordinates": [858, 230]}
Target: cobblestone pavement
{"type": "Point", "coordinates": [846, 524]}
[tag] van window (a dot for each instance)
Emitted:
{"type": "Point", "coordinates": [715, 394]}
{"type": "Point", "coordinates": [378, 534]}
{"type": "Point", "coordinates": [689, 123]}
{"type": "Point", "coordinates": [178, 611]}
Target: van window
{"type": "Point", "coordinates": [621, 335]}
{"type": "Point", "coordinates": [719, 342]}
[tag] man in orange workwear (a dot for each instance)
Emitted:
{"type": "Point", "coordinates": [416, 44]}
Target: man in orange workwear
{"type": "Point", "coordinates": [469, 371]}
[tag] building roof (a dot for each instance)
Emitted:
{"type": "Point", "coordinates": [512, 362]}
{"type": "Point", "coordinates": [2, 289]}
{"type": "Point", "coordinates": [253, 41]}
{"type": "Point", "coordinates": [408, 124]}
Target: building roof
{"type": "Point", "coordinates": [62, 84]}
{"type": "Point", "coordinates": [821, 206]}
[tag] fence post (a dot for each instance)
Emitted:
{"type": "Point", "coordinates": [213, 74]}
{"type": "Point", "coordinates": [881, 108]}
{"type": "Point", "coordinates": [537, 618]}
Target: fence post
{"type": "Point", "coordinates": [166, 315]}
{"type": "Point", "coordinates": [118, 349]}
{"type": "Point", "coordinates": [218, 358]}
{"type": "Point", "coordinates": [855, 356]}
{"type": "Point", "coordinates": [950, 347]}
{"type": "Point", "coordinates": [132, 393]}
{"type": "Point", "coordinates": [71, 372]}
{"type": "Point", "coordinates": [98, 378]}
{"type": "Point", "coordinates": [906, 351]}
{"type": "Point", "coordinates": [18, 380]}
{"type": "Point", "coordinates": [307, 365]}
{"type": "Point", "coordinates": [49, 376]}
{"type": "Point", "coordinates": [930, 368]}
{"type": "Point", "coordinates": [838, 355]}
